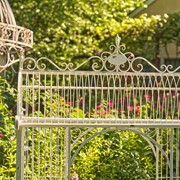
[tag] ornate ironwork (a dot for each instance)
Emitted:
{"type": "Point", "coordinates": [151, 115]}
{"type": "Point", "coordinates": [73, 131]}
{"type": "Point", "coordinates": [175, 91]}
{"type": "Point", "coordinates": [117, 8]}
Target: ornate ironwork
{"type": "Point", "coordinates": [116, 95]}
{"type": "Point", "coordinates": [14, 40]}
{"type": "Point", "coordinates": [115, 61]}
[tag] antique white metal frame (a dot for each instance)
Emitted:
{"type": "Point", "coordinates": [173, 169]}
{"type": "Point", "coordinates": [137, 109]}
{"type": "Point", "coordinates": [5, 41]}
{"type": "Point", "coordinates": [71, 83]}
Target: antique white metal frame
{"type": "Point", "coordinates": [60, 110]}
{"type": "Point", "coordinates": [117, 94]}
{"type": "Point", "coordinates": [14, 40]}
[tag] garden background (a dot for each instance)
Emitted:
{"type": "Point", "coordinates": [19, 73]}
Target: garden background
{"type": "Point", "coordinates": [72, 31]}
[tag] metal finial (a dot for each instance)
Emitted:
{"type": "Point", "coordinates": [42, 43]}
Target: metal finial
{"type": "Point", "coordinates": [118, 41]}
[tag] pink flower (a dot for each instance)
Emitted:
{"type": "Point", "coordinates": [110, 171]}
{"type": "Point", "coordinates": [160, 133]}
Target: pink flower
{"type": "Point", "coordinates": [75, 177]}
{"type": "Point", "coordinates": [130, 108]}
{"type": "Point", "coordinates": [110, 104]}
{"type": "Point", "coordinates": [100, 112]}
{"type": "Point", "coordinates": [161, 108]}
{"type": "Point", "coordinates": [106, 112]}
{"type": "Point", "coordinates": [70, 103]}
{"type": "Point", "coordinates": [147, 97]}
{"type": "Point", "coordinates": [137, 109]}
{"type": "Point", "coordinates": [1, 135]}
{"type": "Point", "coordinates": [98, 107]}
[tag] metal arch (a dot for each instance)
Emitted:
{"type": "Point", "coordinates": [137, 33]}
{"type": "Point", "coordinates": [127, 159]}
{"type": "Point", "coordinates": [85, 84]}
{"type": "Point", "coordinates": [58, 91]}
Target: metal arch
{"type": "Point", "coordinates": [145, 136]}
{"type": "Point", "coordinates": [80, 136]}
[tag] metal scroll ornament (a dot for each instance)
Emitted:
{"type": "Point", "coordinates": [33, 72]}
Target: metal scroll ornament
{"type": "Point", "coordinates": [117, 60]}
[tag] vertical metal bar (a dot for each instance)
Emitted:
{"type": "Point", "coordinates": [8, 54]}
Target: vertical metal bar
{"type": "Point", "coordinates": [26, 154]}
{"type": "Point", "coordinates": [32, 153]}
{"type": "Point", "coordinates": [45, 151]}
{"type": "Point", "coordinates": [61, 153]}
{"type": "Point", "coordinates": [51, 153]}
{"type": "Point", "coordinates": [68, 153]}
{"type": "Point", "coordinates": [57, 148]}
{"type": "Point", "coordinates": [20, 154]}
{"type": "Point", "coordinates": [157, 155]}
{"type": "Point", "coordinates": [167, 150]}
{"type": "Point", "coordinates": [171, 153]}
{"type": "Point", "coordinates": [177, 152]}
{"type": "Point", "coordinates": [20, 130]}
{"type": "Point", "coordinates": [38, 153]}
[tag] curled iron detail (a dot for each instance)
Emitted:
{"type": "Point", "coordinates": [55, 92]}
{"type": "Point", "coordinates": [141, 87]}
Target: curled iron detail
{"type": "Point", "coordinates": [115, 61]}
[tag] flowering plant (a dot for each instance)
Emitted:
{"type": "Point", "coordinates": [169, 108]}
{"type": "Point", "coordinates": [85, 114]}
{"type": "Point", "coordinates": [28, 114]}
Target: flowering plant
{"type": "Point", "coordinates": [142, 106]}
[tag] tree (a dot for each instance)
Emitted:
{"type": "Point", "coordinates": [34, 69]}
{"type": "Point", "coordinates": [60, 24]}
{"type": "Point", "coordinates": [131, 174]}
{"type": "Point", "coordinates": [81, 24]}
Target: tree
{"type": "Point", "coordinates": [72, 30]}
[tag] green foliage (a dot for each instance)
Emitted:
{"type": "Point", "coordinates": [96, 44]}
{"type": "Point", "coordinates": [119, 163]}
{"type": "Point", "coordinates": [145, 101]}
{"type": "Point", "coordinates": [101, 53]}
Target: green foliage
{"type": "Point", "coordinates": [171, 30]}
{"type": "Point", "coordinates": [7, 132]}
{"type": "Point", "coordinates": [75, 30]}
{"type": "Point", "coordinates": [72, 30]}
{"type": "Point", "coordinates": [141, 34]}
{"type": "Point", "coordinates": [45, 152]}
{"type": "Point", "coordinates": [116, 155]}
{"type": "Point", "coordinates": [170, 33]}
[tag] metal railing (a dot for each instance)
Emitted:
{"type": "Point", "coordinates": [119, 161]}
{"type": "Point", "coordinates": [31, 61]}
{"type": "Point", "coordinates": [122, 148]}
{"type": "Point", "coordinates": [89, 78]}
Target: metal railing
{"type": "Point", "coordinates": [117, 93]}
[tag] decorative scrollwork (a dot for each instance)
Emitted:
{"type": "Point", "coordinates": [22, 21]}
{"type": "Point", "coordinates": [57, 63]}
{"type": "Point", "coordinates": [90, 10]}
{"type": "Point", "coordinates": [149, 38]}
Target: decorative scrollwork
{"type": "Point", "coordinates": [13, 39]}
{"type": "Point", "coordinates": [40, 64]}
{"type": "Point", "coordinates": [115, 61]}
{"type": "Point", "coordinates": [120, 61]}
{"type": "Point", "coordinates": [8, 56]}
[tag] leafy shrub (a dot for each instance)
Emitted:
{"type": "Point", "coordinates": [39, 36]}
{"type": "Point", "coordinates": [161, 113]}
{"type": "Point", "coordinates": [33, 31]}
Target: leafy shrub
{"type": "Point", "coordinates": [7, 132]}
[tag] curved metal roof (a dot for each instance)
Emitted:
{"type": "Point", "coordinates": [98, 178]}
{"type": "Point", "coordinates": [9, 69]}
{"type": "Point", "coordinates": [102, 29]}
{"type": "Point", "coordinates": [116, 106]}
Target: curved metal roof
{"type": "Point", "coordinates": [12, 35]}
{"type": "Point", "coordinates": [6, 14]}
{"type": "Point", "coordinates": [14, 40]}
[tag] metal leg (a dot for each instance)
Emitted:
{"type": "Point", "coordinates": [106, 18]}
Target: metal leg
{"type": "Point", "coordinates": [177, 151]}
{"type": "Point", "coordinates": [157, 155]}
{"type": "Point", "coordinates": [68, 154]}
{"type": "Point", "coordinates": [171, 153]}
{"type": "Point", "coordinates": [20, 154]}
